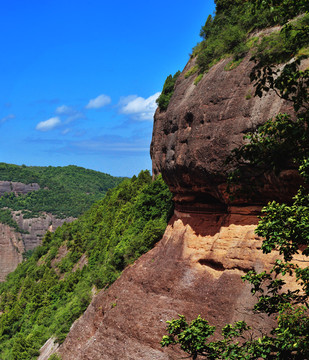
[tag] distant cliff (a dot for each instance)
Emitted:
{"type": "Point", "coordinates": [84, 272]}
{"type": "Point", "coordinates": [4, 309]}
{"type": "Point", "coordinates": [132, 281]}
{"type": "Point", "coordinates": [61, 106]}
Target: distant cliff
{"type": "Point", "coordinates": [11, 250]}
{"type": "Point", "coordinates": [36, 199]}
{"type": "Point", "coordinates": [17, 187]}
{"type": "Point", "coordinates": [14, 243]}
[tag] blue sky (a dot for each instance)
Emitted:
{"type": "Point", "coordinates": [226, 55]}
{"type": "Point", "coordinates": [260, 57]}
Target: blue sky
{"type": "Point", "coordinates": [79, 78]}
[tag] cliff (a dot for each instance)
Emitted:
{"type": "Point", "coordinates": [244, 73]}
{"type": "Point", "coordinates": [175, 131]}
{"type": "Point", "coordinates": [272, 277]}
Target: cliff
{"type": "Point", "coordinates": [210, 241]}
{"type": "Point", "coordinates": [41, 199]}
{"type": "Point", "coordinates": [11, 249]}
{"type": "Point", "coordinates": [35, 228]}
{"type": "Point", "coordinates": [12, 243]}
{"type": "Point", "coordinates": [203, 124]}
{"type": "Point", "coordinates": [17, 187]}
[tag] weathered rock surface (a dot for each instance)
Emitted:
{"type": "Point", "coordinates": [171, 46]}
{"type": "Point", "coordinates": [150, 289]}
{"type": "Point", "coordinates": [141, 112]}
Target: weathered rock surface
{"type": "Point", "coordinates": [203, 124]}
{"type": "Point", "coordinates": [17, 187]}
{"type": "Point", "coordinates": [195, 269]}
{"type": "Point", "coordinates": [11, 249]}
{"type": "Point", "coordinates": [210, 241]}
{"type": "Point", "coordinates": [48, 349]}
{"type": "Point", "coordinates": [36, 228]}
{"type": "Point", "coordinates": [13, 244]}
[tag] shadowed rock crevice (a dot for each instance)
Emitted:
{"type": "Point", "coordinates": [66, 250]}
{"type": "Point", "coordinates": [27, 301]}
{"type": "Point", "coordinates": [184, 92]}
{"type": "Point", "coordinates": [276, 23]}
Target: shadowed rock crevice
{"type": "Point", "coordinates": [219, 266]}
{"type": "Point", "coordinates": [216, 265]}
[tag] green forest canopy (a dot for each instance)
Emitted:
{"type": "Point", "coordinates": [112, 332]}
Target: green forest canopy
{"type": "Point", "coordinates": [230, 33]}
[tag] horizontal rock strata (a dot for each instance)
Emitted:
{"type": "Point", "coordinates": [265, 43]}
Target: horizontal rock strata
{"type": "Point", "coordinates": [17, 187]}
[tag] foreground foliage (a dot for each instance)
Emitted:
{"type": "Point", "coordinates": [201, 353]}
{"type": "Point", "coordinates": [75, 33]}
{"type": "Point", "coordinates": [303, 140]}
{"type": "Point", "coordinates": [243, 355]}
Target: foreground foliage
{"type": "Point", "coordinates": [167, 91]}
{"type": "Point", "coordinates": [271, 148]}
{"type": "Point", "coordinates": [50, 290]}
{"type": "Point", "coordinates": [230, 33]}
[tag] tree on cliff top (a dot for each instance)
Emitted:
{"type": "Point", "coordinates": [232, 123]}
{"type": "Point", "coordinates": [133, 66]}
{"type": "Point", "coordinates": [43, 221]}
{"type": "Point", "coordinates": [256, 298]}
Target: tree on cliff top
{"type": "Point", "coordinates": [285, 228]}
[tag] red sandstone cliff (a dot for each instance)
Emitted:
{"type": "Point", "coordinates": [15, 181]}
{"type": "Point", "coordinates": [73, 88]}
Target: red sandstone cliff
{"type": "Point", "coordinates": [209, 243]}
{"type": "Point", "coordinates": [203, 124]}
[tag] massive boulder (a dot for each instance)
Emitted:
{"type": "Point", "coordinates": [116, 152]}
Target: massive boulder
{"type": "Point", "coordinates": [210, 241]}
{"type": "Point", "coordinates": [203, 124]}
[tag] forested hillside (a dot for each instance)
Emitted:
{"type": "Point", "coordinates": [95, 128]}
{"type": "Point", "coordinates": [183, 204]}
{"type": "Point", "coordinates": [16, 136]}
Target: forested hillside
{"type": "Point", "coordinates": [64, 191]}
{"type": "Point", "coordinates": [52, 288]}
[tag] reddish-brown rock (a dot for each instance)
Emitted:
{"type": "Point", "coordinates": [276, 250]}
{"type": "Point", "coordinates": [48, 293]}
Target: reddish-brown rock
{"type": "Point", "coordinates": [195, 269]}
{"type": "Point", "coordinates": [203, 124]}
{"type": "Point", "coordinates": [209, 244]}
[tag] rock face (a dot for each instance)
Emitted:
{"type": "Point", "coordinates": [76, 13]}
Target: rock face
{"type": "Point", "coordinates": [195, 269]}
{"type": "Point", "coordinates": [203, 124]}
{"type": "Point", "coordinates": [12, 243]}
{"type": "Point", "coordinates": [210, 241]}
{"type": "Point", "coordinates": [35, 228]}
{"type": "Point", "coordinates": [11, 249]}
{"type": "Point", "coordinates": [17, 187]}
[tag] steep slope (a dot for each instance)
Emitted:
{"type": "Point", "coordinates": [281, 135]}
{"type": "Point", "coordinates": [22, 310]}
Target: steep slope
{"type": "Point", "coordinates": [195, 269]}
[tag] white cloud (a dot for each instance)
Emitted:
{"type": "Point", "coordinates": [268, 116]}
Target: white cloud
{"type": "Point", "coordinates": [6, 118]}
{"type": "Point", "coordinates": [65, 110]}
{"type": "Point", "coordinates": [70, 113]}
{"type": "Point", "coordinates": [142, 109]}
{"type": "Point", "coordinates": [99, 102]}
{"type": "Point", "coordinates": [48, 124]}
{"type": "Point", "coordinates": [65, 131]}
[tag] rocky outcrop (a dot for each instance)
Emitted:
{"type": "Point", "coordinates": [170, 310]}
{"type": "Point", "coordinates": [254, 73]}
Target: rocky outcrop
{"type": "Point", "coordinates": [48, 349]}
{"type": "Point", "coordinates": [11, 249]}
{"type": "Point", "coordinates": [210, 241]}
{"type": "Point", "coordinates": [17, 187]}
{"type": "Point", "coordinates": [195, 269]}
{"type": "Point", "coordinates": [35, 228]}
{"type": "Point", "coordinates": [13, 244]}
{"type": "Point", "coordinates": [203, 124]}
